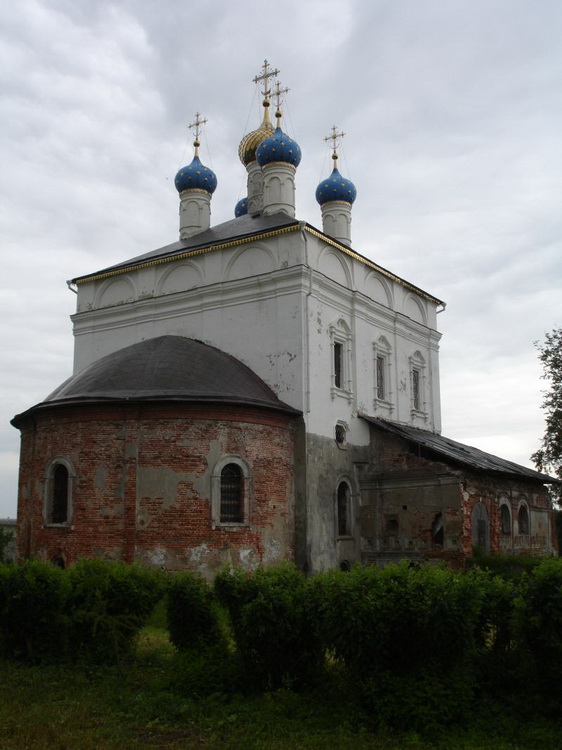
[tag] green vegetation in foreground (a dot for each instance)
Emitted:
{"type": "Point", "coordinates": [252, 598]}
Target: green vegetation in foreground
{"type": "Point", "coordinates": [66, 707]}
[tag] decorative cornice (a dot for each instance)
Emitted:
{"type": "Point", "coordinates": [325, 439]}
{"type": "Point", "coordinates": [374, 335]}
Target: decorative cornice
{"type": "Point", "coordinates": [297, 227]}
{"type": "Point", "coordinates": [187, 254]}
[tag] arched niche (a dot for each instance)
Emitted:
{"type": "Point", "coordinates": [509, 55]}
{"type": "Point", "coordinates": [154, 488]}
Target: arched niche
{"type": "Point", "coordinates": [116, 292]}
{"type": "Point", "coordinates": [378, 289]}
{"type": "Point", "coordinates": [333, 265]}
{"type": "Point", "coordinates": [250, 261]}
{"type": "Point", "coordinates": [180, 277]}
{"type": "Point", "coordinates": [415, 309]}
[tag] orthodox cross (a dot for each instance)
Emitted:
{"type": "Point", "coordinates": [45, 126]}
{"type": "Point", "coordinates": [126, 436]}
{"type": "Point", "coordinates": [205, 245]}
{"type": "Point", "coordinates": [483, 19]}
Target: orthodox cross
{"type": "Point", "coordinates": [197, 125]}
{"type": "Point", "coordinates": [265, 76]}
{"type": "Point", "coordinates": [334, 138]}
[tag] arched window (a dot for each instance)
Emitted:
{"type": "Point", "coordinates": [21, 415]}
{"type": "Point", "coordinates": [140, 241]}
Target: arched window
{"type": "Point", "coordinates": [232, 494]}
{"type": "Point", "coordinates": [343, 497]}
{"type": "Point", "coordinates": [58, 492]}
{"type": "Point", "coordinates": [505, 517]}
{"type": "Point", "coordinates": [523, 520]}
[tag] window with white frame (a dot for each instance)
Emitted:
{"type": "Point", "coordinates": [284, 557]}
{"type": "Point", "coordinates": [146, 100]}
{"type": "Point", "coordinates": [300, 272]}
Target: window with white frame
{"type": "Point", "coordinates": [383, 375]}
{"type": "Point", "coordinates": [418, 399]}
{"type": "Point", "coordinates": [59, 480]}
{"type": "Point", "coordinates": [230, 492]}
{"type": "Point", "coordinates": [341, 347]}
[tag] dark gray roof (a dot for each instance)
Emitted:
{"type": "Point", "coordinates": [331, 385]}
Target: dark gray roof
{"type": "Point", "coordinates": [466, 455]}
{"type": "Point", "coordinates": [228, 231]}
{"type": "Point", "coordinates": [166, 368]}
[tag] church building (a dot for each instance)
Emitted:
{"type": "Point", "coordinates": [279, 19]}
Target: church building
{"type": "Point", "coordinates": [260, 391]}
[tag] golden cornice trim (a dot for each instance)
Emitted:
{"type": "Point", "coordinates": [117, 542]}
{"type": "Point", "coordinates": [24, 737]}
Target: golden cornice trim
{"type": "Point", "coordinates": [374, 266]}
{"type": "Point", "coordinates": [187, 254]}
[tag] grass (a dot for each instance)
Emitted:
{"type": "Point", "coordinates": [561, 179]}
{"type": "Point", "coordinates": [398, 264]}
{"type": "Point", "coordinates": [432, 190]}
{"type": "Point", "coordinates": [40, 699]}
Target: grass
{"type": "Point", "coordinates": [108, 708]}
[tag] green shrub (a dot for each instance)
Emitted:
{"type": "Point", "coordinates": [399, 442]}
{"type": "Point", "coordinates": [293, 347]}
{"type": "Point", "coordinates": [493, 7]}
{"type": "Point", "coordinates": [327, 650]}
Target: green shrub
{"type": "Point", "coordinates": [109, 603]}
{"type": "Point", "coordinates": [540, 623]}
{"type": "Point", "coordinates": [192, 610]}
{"type": "Point", "coordinates": [33, 624]}
{"type": "Point", "coordinates": [273, 625]}
{"type": "Point", "coordinates": [407, 636]}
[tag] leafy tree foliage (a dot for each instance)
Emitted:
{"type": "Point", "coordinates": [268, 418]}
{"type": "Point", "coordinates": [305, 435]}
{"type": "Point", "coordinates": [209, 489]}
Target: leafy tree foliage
{"type": "Point", "coordinates": [549, 456]}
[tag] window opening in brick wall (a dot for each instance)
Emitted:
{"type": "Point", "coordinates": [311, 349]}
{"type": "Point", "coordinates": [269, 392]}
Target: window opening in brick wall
{"type": "Point", "coordinates": [437, 533]}
{"type": "Point", "coordinates": [58, 493]}
{"type": "Point", "coordinates": [232, 494]}
{"type": "Point", "coordinates": [343, 509]}
{"type": "Point", "coordinates": [505, 517]}
{"type": "Point", "coordinates": [523, 519]}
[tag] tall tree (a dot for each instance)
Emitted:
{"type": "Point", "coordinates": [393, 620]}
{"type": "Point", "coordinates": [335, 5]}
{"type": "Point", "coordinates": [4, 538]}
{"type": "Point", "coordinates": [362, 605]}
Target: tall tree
{"type": "Point", "coordinates": [549, 456]}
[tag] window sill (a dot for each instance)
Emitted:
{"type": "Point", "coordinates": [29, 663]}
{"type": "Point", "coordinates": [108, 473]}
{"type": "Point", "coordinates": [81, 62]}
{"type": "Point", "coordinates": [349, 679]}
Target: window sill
{"type": "Point", "coordinates": [342, 393]}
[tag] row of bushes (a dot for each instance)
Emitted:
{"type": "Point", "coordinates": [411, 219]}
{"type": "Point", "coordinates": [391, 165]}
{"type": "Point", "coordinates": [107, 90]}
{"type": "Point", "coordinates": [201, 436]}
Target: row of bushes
{"type": "Point", "coordinates": [92, 611]}
{"type": "Point", "coordinates": [414, 645]}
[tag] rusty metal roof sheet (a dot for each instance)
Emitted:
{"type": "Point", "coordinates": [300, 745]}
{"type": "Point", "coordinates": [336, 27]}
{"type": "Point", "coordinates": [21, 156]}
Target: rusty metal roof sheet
{"type": "Point", "coordinates": [452, 451]}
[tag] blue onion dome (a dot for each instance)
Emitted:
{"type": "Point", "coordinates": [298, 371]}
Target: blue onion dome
{"type": "Point", "coordinates": [241, 208]}
{"type": "Point", "coordinates": [278, 147]}
{"type": "Point", "coordinates": [336, 188]}
{"type": "Point", "coordinates": [196, 177]}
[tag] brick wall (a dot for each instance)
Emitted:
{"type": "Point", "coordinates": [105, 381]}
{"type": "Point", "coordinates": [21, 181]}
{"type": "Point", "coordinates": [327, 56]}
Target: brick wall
{"type": "Point", "coordinates": [143, 484]}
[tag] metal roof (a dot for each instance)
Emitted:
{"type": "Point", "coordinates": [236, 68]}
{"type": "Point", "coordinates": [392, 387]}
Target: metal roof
{"type": "Point", "coordinates": [459, 453]}
{"type": "Point", "coordinates": [166, 368]}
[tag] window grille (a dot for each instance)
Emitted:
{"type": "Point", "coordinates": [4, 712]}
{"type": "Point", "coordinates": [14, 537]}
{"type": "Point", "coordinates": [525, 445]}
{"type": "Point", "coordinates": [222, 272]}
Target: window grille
{"type": "Point", "coordinates": [381, 390]}
{"type": "Point", "coordinates": [416, 389]}
{"type": "Point", "coordinates": [232, 494]}
{"type": "Point", "coordinates": [59, 502]}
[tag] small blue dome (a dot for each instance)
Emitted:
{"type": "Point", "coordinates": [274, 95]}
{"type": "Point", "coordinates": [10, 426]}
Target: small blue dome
{"type": "Point", "coordinates": [241, 207]}
{"type": "Point", "coordinates": [196, 177]}
{"type": "Point", "coordinates": [278, 147]}
{"type": "Point", "coordinates": [336, 188]}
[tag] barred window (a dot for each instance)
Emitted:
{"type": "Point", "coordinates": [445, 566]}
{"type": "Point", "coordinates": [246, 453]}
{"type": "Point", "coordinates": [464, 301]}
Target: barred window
{"type": "Point", "coordinates": [416, 389]}
{"type": "Point", "coordinates": [381, 390]}
{"type": "Point", "coordinates": [59, 495]}
{"type": "Point", "coordinates": [57, 492]}
{"type": "Point", "coordinates": [505, 517]}
{"type": "Point", "coordinates": [232, 494]}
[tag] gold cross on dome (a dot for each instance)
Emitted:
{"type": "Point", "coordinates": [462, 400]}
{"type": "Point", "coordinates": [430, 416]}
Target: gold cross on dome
{"type": "Point", "coordinates": [197, 125]}
{"type": "Point", "coordinates": [278, 93]}
{"type": "Point", "coordinates": [334, 137]}
{"type": "Point", "coordinates": [267, 73]}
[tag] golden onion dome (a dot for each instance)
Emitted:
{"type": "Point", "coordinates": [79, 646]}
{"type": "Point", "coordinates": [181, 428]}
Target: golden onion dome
{"type": "Point", "coordinates": [250, 142]}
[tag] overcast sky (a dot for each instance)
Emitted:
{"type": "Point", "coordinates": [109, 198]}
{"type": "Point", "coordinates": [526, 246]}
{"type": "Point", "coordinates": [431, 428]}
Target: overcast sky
{"type": "Point", "coordinates": [453, 116]}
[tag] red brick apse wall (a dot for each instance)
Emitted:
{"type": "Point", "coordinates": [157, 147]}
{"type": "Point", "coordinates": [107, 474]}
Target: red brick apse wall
{"type": "Point", "coordinates": [142, 484]}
